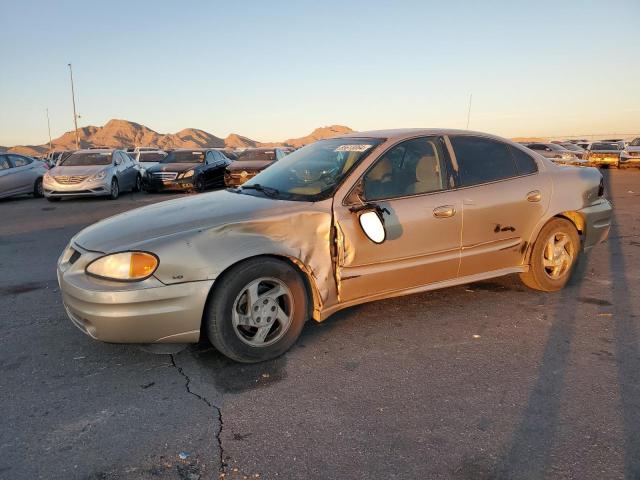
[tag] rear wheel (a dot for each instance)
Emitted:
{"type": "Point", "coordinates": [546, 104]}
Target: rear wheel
{"type": "Point", "coordinates": [115, 190]}
{"type": "Point", "coordinates": [258, 311]}
{"type": "Point", "coordinates": [38, 189]}
{"type": "Point", "coordinates": [554, 256]}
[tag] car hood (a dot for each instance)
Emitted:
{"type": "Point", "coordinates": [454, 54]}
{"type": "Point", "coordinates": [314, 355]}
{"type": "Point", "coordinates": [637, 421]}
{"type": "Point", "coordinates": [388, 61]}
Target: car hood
{"type": "Point", "coordinates": [80, 170]}
{"type": "Point", "coordinates": [173, 167]}
{"type": "Point", "coordinates": [248, 165]}
{"type": "Point", "coordinates": [134, 228]}
{"type": "Point", "coordinates": [607, 152]}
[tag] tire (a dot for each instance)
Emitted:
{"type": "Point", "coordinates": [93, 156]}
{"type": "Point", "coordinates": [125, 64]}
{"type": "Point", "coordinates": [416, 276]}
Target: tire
{"type": "Point", "coordinates": [53, 199]}
{"type": "Point", "coordinates": [138, 185]}
{"type": "Point", "coordinates": [551, 274]}
{"type": "Point", "coordinates": [199, 184]}
{"type": "Point", "coordinates": [115, 190]}
{"type": "Point", "coordinates": [38, 189]}
{"type": "Point", "coordinates": [261, 336]}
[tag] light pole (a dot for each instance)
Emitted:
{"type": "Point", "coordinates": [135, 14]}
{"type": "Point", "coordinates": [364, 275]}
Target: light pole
{"type": "Point", "coordinates": [469, 112]}
{"type": "Point", "coordinates": [75, 116]}
{"type": "Point", "coordinates": [49, 128]}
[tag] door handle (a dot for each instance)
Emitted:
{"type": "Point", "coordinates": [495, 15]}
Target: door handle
{"type": "Point", "coordinates": [445, 211]}
{"type": "Point", "coordinates": [534, 196]}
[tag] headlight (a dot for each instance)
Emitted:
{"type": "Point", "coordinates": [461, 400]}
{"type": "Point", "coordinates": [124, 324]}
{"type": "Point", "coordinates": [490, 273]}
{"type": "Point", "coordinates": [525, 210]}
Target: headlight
{"type": "Point", "coordinates": [124, 266]}
{"type": "Point", "coordinates": [47, 177]}
{"type": "Point", "coordinates": [187, 174]}
{"type": "Point", "coordinates": [98, 176]}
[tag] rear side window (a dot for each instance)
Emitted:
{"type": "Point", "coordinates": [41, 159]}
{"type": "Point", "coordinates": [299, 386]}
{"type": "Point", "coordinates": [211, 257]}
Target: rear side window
{"type": "Point", "coordinates": [481, 160]}
{"type": "Point", "coordinates": [524, 163]}
{"type": "Point", "coordinates": [4, 163]}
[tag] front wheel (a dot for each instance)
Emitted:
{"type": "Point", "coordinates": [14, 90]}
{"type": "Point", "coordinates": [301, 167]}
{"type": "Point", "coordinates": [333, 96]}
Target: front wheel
{"type": "Point", "coordinates": [138, 185]}
{"type": "Point", "coordinates": [554, 256]}
{"type": "Point", "coordinates": [258, 312]}
{"type": "Point", "coordinates": [38, 189]}
{"type": "Point", "coordinates": [199, 184]}
{"type": "Point", "coordinates": [115, 190]}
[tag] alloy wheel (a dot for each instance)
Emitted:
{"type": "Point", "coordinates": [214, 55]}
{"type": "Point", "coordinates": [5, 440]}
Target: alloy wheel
{"type": "Point", "coordinates": [558, 255]}
{"type": "Point", "coordinates": [262, 312]}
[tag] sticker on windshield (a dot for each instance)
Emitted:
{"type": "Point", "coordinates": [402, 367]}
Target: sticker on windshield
{"type": "Point", "coordinates": [359, 147]}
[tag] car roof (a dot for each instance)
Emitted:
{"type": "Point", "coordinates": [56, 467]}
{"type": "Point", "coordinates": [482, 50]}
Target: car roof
{"type": "Point", "coordinates": [400, 133]}
{"type": "Point", "coordinates": [95, 150]}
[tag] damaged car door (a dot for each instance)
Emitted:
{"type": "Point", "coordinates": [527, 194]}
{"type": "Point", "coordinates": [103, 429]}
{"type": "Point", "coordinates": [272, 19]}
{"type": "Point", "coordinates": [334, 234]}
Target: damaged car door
{"type": "Point", "coordinates": [504, 196]}
{"type": "Point", "coordinates": [409, 187]}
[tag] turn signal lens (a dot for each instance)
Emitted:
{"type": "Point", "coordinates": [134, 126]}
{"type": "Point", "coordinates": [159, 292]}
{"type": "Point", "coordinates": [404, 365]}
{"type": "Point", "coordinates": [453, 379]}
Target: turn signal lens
{"type": "Point", "coordinates": [124, 266]}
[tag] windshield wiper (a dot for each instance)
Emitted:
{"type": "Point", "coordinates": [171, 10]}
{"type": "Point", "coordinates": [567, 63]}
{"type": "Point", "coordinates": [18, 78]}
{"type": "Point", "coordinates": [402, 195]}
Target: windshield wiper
{"type": "Point", "coordinates": [268, 191]}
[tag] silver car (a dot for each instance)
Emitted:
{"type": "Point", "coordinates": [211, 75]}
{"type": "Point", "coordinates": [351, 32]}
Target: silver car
{"type": "Point", "coordinates": [556, 153]}
{"type": "Point", "coordinates": [20, 175]}
{"type": "Point", "coordinates": [87, 173]}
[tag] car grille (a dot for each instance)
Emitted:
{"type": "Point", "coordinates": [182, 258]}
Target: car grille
{"type": "Point", "coordinates": [70, 180]}
{"type": "Point", "coordinates": [634, 154]}
{"type": "Point", "coordinates": [165, 175]}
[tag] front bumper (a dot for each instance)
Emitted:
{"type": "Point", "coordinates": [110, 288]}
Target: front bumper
{"type": "Point", "coordinates": [630, 162]}
{"type": "Point", "coordinates": [82, 189]}
{"type": "Point", "coordinates": [135, 312]}
{"type": "Point", "coordinates": [597, 221]}
{"type": "Point", "coordinates": [150, 183]}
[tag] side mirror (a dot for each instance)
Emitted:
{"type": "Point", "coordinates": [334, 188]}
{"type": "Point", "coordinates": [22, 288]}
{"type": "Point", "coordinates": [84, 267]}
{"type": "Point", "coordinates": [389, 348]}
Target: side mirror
{"type": "Point", "coordinates": [372, 225]}
{"type": "Point", "coordinates": [118, 161]}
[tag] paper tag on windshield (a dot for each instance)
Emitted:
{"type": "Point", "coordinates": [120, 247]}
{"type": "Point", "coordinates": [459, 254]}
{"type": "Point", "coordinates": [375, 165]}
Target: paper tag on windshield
{"type": "Point", "coordinates": [361, 147]}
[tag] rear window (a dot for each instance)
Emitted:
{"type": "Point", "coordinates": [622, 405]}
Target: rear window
{"type": "Point", "coordinates": [81, 159]}
{"type": "Point", "coordinates": [481, 160]}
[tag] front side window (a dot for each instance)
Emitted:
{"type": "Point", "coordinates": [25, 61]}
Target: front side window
{"type": "Point", "coordinates": [482, 160]}
{"type": "Point", "coordinates": [20, 161]}
{"type": "Point", "coordinates": [412, 167]}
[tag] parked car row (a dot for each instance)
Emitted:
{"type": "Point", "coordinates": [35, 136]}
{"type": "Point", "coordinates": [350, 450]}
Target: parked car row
{"type": "Point", "coordinates": [103, 171]}
{"type": "Point", "coordinates": [604, 153]}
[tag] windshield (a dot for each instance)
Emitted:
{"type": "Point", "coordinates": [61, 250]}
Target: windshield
{"type": "Point", "coordinates": [184, 156]}
{"type": "Point", "coordinates": [604, 146]}
{"type": "Point", "coordinates": [314, 172]}
{"type": "Point", "coordinates": [257, 155]}
{"type": "Point", "coordinates": [151, 157]}
{"type": "Point", "coordinates": [635, 142]}
{"type": "Point", "coordinates": [82, 159]}
{"type": "Point", "coordinates": [571, 146]}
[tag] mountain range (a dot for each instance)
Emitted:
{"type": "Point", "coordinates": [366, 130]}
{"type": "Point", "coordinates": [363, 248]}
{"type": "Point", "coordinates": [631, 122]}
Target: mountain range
{"type": "Point", "coordinates": [123, 134]}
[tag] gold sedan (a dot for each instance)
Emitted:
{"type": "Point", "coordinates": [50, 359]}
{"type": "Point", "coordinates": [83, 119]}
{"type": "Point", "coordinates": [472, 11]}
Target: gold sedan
{"type": "Point", "coordinates": [340, 222]}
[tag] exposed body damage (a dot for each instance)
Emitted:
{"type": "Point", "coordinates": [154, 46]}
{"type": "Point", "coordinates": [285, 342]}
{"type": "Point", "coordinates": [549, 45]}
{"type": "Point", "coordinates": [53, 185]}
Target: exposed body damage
{"type": "Point", "coordinates": [433, 239]}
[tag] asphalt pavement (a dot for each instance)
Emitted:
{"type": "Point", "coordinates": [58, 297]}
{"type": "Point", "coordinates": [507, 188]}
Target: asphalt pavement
{"type": "Point", "coordinates": [483, 381]}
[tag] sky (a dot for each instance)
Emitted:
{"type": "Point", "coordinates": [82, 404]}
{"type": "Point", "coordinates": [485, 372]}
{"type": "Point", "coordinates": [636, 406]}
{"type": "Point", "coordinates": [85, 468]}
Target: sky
{"type": "Point", "coordinates": [275, 70]}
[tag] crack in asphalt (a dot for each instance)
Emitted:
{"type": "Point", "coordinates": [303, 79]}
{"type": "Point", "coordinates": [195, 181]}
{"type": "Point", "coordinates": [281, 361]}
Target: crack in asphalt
{"type": "Point", "coordinates": [218, 434]}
